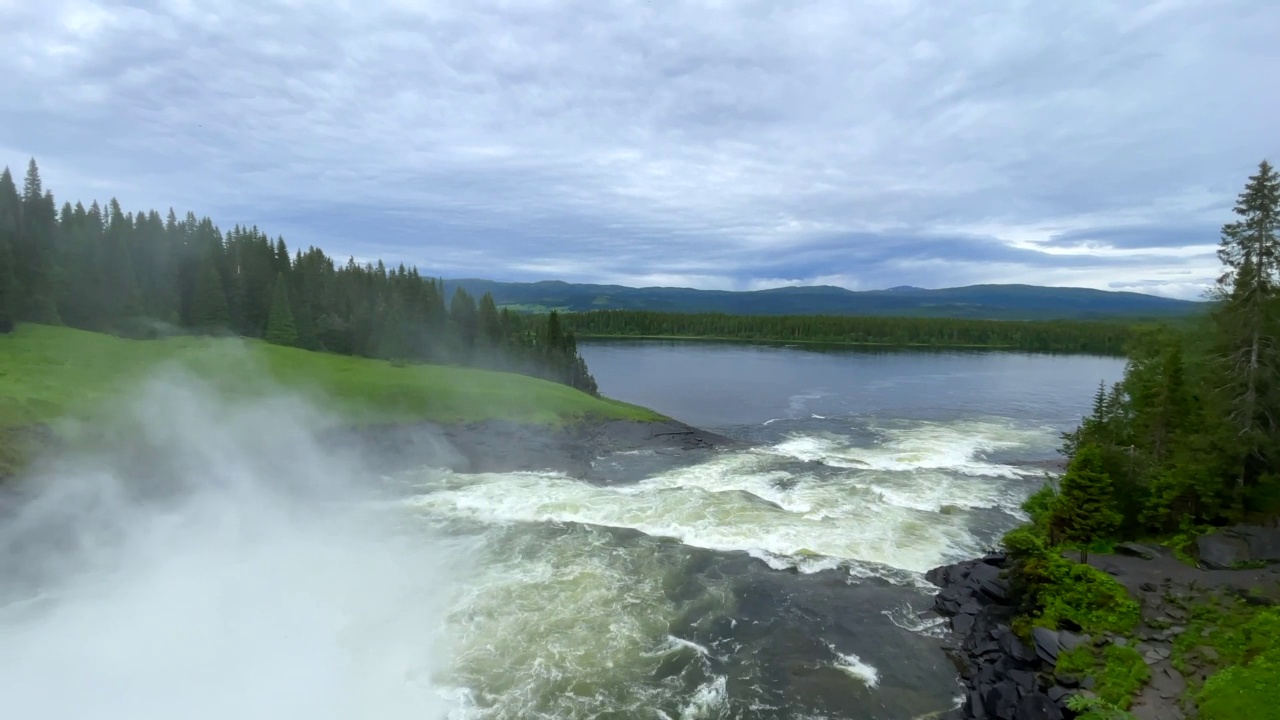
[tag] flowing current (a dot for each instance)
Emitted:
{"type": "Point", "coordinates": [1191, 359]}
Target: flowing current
{"type": "Point", "coordinates": [779, 579]}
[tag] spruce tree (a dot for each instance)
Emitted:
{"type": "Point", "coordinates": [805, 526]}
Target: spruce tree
{"type": "Point", "coordinates": [280, 327]}
{"type": "Point", "coordinates": [1246, 321]}
{"type": "Point", "coordinates": [209, 307]}
{"type": "Point", "coordinates": [1084, 511]}
{"type": "Point", "coordinates": [8, 289]}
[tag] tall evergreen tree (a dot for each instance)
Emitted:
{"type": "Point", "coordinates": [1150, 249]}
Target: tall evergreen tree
{"type": "Point", "coordinates": [1246, 321]}
{"type": "Point", "coordinates": [280, 326]}
{"type": "Point", "coordinates": [8, 289]}
{"type": "Point", "coordinates": [209, 308]}
{"type": "Point", "coordinates": [1084, 511]}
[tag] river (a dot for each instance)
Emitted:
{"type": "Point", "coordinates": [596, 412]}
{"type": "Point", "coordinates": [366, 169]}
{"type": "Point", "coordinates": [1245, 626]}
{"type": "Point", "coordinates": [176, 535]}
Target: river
{"type": "Point", "coordinates": [780, 579]}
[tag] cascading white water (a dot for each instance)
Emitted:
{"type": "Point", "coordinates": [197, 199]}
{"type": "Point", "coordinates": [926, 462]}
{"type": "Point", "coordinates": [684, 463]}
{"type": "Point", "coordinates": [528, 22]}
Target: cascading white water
{"type": "Point", "coordinates": [253, 573]}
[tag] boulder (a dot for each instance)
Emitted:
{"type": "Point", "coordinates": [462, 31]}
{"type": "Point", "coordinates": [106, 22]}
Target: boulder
{"type": "Point", "coordinates": [948, 602]}
{"type": "Point", "coordinates": [1263, 542]}
{"type": "Point", "coordinates": [1015, 649]}
{"type": "Point", "coordinates": [986, 578]}
{"type": "Point", "coordinates": [962, 624]}
{"type": "Point", "coordinates": [1024, 679]}
{"type": "Point", "coordinates": [1047, 644]}
{"type": "Point", "coordinates": [973, 706]}
{"type": "Point", "coordinates": [1037, 706]}
{"type": "Point", "coordinates": [1220, 552]}
{"type": "Point", "coordinates": [1135, 550]}
{"type": "Point", "coordinates": [1070, 641]}
{"type": "Point", "coordinates": [1000, 700]}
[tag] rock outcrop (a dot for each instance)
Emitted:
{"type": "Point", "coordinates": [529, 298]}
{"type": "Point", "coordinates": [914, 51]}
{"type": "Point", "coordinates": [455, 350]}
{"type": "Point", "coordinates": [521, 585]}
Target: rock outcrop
{"type": "Point", "coordinates": [1239, 546]}
{"type": "Point", "coordinates": [1005, 678]}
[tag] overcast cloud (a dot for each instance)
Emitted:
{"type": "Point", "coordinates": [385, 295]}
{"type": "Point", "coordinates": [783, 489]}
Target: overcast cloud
{"type": "Point", "coordinates": [713, 143]}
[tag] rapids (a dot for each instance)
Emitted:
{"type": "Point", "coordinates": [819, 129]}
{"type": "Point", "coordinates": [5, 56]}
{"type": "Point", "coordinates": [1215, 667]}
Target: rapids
{"type": "Point", "coordinates": [256, 572]}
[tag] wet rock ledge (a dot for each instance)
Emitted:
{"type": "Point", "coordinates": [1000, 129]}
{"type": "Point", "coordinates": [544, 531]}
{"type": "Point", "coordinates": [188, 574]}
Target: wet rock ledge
{"type": "Point", "coordinates": [1005, 679]}
{"type": "Point", "coordinates": [1002, 677]}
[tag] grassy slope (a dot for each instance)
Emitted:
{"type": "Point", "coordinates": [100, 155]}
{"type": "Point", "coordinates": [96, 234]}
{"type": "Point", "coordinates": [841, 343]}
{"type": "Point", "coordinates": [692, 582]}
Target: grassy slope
{"type": "Point", "coordinates": [49, 373]}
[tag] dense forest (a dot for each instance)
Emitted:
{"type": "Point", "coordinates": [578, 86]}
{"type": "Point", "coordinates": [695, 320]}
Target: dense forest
{"type": "Point", "coordinates": [140, 273]}
{"type": "Point", "coordinates": [1103, 337]}
{"type": "Point", "coordinates": [1191, 436]}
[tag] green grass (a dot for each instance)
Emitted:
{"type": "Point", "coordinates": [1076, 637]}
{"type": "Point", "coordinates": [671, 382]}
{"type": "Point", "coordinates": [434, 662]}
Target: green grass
{"type": "Point", "coordinates": [51, 373]}
{"type": "Point", "coordinates": [1241, 640]}
{"type": "Point", "coordinates": [1119, 671]}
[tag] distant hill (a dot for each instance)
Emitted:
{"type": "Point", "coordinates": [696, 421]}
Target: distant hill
{"type": "Point", "coordinates": [1007, 302]}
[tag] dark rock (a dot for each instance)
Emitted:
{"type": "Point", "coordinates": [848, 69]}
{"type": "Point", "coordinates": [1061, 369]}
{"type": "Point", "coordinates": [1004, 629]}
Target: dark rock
{"type": "Point", "coordinates": [1120, 641]}
{"type": "Point", "coordinates": [973, 706]}
{"type": "Point", "coordinates": [1070, 641]}
{"type": "Point", "coordinates": [1208, 653]}
{"type": "Point", "coordinates": [985, 646]}
{"type": "Point", "coordinates": [1001, 700]}
{"type": "Point", "coordinates": [1176, 613]}
{"type": "Point", "coordinates": [1135, 550]}
{"type": "Point", "coordinates": [987, 676]}
{"type": "Point", "coordinates": [1088, 682]}
{"type": "Point", "coordinates": [986, 578]}
{"type": "Point", "coordinates": [970, 608]}
{"type": "Point", "coordinates": [948, 602]}
{"type": "Point", "coordinates": [962, 624]}
{"type": "Point", "coordinates": [1047, 644]}
{"type": "Point", "coordinates": [1015, 649]}
{"type": "Point", "coordinates": [1058, 694]}
{"type": "Point", "coordinates": [1037, 706]}
{"type": "Point", "coordinates": [1024, 679]}
{"type": "Point", "coordinates": [939, 576]}
{"type": "Point", "coordinates": [1148, 587]}
{"type": "Point", "coordinates": [1263, 542]}
{"type": "Point", "coordinates": [1220, 552]}
{"type": "Point", "coordinates": [996, 558]}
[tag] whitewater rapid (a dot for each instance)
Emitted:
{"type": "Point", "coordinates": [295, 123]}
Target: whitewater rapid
{"type": "Point", "coordinates": [576, 579]}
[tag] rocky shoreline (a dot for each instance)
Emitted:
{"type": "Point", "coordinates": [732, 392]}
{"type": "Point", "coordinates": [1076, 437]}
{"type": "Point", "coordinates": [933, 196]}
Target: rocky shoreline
{"type": "Point", "coordinates": [1006, 679]}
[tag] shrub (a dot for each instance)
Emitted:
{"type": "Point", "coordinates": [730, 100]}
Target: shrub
{"type": "Point", "coordinates": [1058, 593]}
{"type": "Point", "coordinates": [1124, 672]}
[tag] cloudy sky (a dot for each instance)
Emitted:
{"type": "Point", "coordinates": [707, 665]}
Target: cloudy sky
{"type": "Point", "coordinates": [709, 143]}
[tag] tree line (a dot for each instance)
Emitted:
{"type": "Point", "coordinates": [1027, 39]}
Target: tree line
{"type": "Point", "coordinates": [1074, 336]}
{"type": "Point", "coordinates": [108, 270]}
{"type": "Point", "coordinates": [1190, 437]}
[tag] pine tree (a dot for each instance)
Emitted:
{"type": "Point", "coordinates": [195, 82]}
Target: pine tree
{"type": "Point", "coordinates": [1084, 511]}
{"type": "Point", "coordinates": [209, 307]}
{"type": "Point", "coordinates": [8, 289]}
{"type": "Point", "coordinates": [280, 327]}
{"type": "Point", "coordinates": [1246, 321]}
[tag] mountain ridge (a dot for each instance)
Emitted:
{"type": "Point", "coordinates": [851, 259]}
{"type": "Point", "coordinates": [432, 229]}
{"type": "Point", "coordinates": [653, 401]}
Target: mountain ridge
{"type": "Point", "coordinates": [985, 301]}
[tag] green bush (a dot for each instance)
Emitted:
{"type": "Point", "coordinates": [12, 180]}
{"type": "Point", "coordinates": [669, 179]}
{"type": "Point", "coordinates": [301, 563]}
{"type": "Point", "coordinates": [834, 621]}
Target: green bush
{"type": "Point", "coordinates": [1124, 672]}
{"type": "Point", "coordinates": [1058, 593]}
{"type": "Point", "coordinates": [1039, 505]}
{"type": "Point", "coordinates": [1025, 541]}
{"type": "Point", "coordinates": [1078, 661]}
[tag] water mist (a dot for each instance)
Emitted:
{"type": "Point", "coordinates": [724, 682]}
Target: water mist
{"type": "Point", "coordinates": [213, 558]}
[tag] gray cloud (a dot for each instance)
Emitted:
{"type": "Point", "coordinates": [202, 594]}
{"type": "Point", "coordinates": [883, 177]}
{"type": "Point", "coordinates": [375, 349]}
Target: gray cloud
{"type": "Point", "coordinates": [723, 145]}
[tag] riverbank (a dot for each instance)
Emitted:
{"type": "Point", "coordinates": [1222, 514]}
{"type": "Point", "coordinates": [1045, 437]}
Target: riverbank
{"type": "Point", "coordinates": [1192, 622]}
{"type": "Point", "coordinates": [53, 378]}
